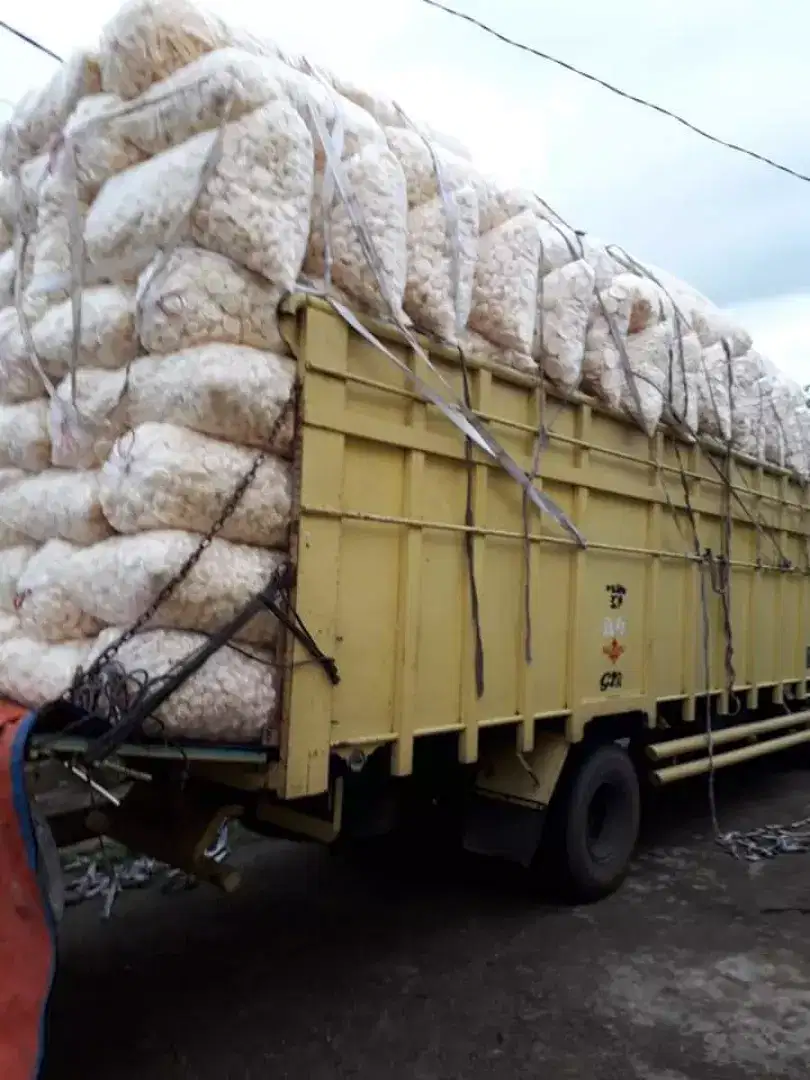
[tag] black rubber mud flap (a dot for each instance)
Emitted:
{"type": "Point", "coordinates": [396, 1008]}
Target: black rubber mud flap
{"type": "Point", "coordinates": [503, 829]}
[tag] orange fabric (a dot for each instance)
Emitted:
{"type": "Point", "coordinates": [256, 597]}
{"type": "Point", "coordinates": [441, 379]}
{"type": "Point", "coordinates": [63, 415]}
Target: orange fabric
{"type": "Point", "coordinates": [26, 944]}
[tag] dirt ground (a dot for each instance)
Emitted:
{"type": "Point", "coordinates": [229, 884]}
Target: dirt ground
{"type": "Point", "coordinates": [319, 968]}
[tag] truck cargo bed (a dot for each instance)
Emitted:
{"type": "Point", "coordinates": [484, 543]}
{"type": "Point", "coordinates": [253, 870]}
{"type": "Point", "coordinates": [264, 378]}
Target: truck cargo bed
{"type": "Point", "coordinates": [383, 581]}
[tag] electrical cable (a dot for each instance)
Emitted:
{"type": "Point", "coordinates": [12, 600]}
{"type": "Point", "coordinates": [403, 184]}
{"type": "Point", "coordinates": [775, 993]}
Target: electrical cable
{"type": "Point", "coordinates": [660, 109]}
{"type": "Point", "coordinates": [30, 41]}
{"type": "Point", "coordinates": [572, 68]}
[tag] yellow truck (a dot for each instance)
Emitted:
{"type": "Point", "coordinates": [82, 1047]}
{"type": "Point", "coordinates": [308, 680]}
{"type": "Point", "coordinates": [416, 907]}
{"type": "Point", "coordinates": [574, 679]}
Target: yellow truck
{"type": "Point", "coordinates": [465, 654]}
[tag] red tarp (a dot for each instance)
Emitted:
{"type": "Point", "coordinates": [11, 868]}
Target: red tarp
{"type": "Point", "coordinates": [27, 931]}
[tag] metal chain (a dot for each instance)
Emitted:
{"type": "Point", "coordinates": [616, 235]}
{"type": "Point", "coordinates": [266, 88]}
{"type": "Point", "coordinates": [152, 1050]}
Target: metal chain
{"type": "Point", "coordinates": [228, 509]}
{"type": "Point", "coordinates": [757, 845]}
{"type": "Point", "coordinates": [768, 841]}
{"type": "Point", "coordinates": [101, 877]}
{"type": "Point", "coordinates": [107, 877]}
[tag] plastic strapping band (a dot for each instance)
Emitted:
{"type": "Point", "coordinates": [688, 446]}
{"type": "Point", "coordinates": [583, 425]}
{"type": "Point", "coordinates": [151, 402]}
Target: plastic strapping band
{"type": "Point", "coordinates": [338, 140]}
{"type": "Point", "coordinates": [26, 228]}
{"type": "Point", "coordinates": [462, 418]}
{"type": "Point", "coordinates": [466, 423]}
{"type": "Point", "coordinates": [451, 219]}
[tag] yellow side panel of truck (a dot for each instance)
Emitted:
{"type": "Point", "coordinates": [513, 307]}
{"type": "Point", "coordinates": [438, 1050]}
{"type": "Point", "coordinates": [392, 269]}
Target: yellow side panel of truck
{"type": "Point", "coordinates": [383, 577]}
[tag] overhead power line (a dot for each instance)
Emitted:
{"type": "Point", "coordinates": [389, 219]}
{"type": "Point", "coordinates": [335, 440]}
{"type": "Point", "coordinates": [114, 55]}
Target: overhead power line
{"type": "Point", "coordinates": [30, 41]}
{"type": "Point", "coordinates": [616, 90]}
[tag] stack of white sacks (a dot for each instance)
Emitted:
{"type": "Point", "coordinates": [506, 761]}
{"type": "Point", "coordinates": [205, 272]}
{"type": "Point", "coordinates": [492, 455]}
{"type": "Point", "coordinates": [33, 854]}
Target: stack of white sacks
{"type": "Point", "coordinates": [174, 185]}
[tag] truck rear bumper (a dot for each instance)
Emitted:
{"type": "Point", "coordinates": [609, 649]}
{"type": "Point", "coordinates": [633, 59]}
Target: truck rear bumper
{"type": "Point", "coordinates": [27, 925]}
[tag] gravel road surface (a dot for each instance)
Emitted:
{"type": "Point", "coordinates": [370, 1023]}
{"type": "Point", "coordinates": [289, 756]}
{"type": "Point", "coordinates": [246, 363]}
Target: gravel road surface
{"type": "Point", "coordinates": [322, 968]}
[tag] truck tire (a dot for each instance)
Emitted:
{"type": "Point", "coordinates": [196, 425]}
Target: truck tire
{"type": "Point", "coordinates": [595, 824]}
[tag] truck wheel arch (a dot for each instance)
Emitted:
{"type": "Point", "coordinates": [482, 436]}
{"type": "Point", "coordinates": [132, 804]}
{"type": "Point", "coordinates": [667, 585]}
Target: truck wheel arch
{"type": "Point", "coordinates": [506, 811]}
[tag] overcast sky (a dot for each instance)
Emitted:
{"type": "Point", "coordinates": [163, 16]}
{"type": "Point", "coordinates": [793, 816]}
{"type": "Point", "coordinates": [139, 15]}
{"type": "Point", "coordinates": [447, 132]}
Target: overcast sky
{"type": "Point", "coordinates": [736, 229]}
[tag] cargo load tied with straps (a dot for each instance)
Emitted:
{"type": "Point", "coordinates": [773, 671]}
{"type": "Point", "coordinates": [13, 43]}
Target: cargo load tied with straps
{"type": "Point", "coordinates": [158, 199]}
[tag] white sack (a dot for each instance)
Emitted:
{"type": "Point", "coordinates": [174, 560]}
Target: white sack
{"type": "Point", "coordinates": [197, 98]}
{"type": "Point", "coordinates": [21, 189]}
{"type": "Point", "coordinates": [636, 300]}
{"type": "Point", "coordinates": [712, 326]}
{"type": "Point", "coordinates": [19, 380]}
{"type": "Point", "coordinates": [8, 203]}
{"type": "Point", "coordinates": [199, 296]}
{"type": "Point", "coordinates": [504, 307]}
{"type": "Point", "coordinates": [25, 441]}
{"type": "Point", "coordinates": [782, 443]}
{"type": "Point", "coordinates": [750, 411]}
{"type": "Point", "coordinates": [149, 40]}
{"type": "Point", "coordinates": [386, 112]}
{"type": "Point", "coordinates": [163, 477]}
{"type": "Point", "coordinates": [30, 178]}
{"type": "Point", "coordinates": [714, 382]}
{"type": "Point", "coordinates": [441, 267]}
{"type": "Point", "coordinates": [11, 476]}
{"type": "Point", "coordinates": [602, 365]}
{"type": "Point", "coordinates": [774, 441]}
{"type": "Point", "coordinates": [9, 537]}
{"type": "Point", "coordinates": [230, 699]}
{"type": "Point", "coordinates": [710, 323]}
{"type": "Point", "coordinates": [634, 314]}
{"type": "Point", "coordinates": [633, 304]}
{"type": "Point", "coordinates": [41, 113]}
{"type": "Point", "coordinates": [648, 355]}
{"type": "Point", "coordinates": [55, 504]}
{"type": "Point", "coordinates": [565, 302]}
{"type": "Point", "coordinates": [9, 261]}
{"type": "Point", "coordinates": [254, 207]}
{"type": "Point", "coordinates": [373, 181]}
{"type": "Point", "coordinates": [419, 169]}
{"type": "Point", "coordinates": [478, 347]}
{"type": "Point", "coordinates": [35, 673]}
{"type": "Point", "coordinates": [9, 626]}
{"type": "Point", "coordinates": [84, 433]}
{"type": "Point", "coordinates": [117, 580]}
{"type": "Point", "coordinates": [227, 391]}
{"type": "Point", "coordinates": [682, 400]}
{"type": "Point", "coordinates": [13, 561]}
{"type": "Point", "coordinates": [218, 86]}
{"type": "Point", "coordinates": [442, 234]}
{"type": "Point", "coordinates": [8, 272]}
{"type": "Point", "coordinates": [108, 337]}
{"type": "Point", "coordinates": [604, 265]}
{"type": "Point", "coordinates": [803, 424]}
{"type": "Point", "coordinates": [558, 246]}
{"type": "Point", "coordinates": [94, 148]}
{"type": "Point", "coordinates": [226, 84]}
{"type": "Point", "coordinates": [52, 248]}
{"type": "Point", "coordinates": [44, 605]}
{"type": "Point", "coordinates": [787, 399]}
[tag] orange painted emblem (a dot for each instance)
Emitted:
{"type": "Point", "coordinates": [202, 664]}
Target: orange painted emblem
{"type": "Point", "coordinates": [614, 651]}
